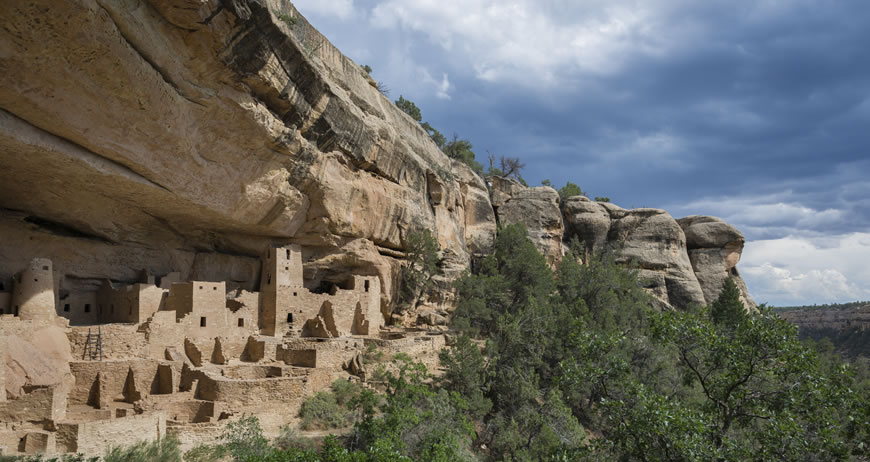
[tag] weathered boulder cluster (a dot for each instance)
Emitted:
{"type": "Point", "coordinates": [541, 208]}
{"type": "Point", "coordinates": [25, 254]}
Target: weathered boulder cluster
{"type": "Point", "coordinates": [682, 262]}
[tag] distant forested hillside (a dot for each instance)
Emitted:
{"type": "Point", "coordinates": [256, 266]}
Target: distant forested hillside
{"type": "Point", "coordinates": [827, 306]}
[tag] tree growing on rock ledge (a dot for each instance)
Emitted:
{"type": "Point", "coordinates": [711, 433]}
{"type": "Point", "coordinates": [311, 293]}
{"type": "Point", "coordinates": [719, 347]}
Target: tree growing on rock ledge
{"type": "Point", "coordinates": [421, 265]}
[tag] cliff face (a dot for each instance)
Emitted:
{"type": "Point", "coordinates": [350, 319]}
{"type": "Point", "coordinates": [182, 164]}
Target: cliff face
{"type": "Point", "coordinates": [180, 135]}
{"type": "Point", "coordinates": [190, 136]}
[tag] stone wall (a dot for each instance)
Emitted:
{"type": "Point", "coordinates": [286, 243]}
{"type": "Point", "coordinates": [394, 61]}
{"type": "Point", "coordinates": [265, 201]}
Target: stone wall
{"type": "Point", "coordinates": [121, 380]}
{"type": "Point", "coordinates": [119, 341]}
{"type": "Point", "coordinates": [43, 404]}
{"type": "Point", "coordinates": [92, 438]}
{"type": "Point", "coordinates": [238, 394]}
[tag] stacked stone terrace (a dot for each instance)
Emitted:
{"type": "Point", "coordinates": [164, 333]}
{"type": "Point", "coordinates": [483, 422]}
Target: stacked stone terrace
{"type": "Point", "coordinates": [178, 358]}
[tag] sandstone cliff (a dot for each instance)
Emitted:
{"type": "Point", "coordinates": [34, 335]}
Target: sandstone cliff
{"type": "Point", "coordinates": [190, 136]}
{"type": "Point", "coordinates": [182, 135]}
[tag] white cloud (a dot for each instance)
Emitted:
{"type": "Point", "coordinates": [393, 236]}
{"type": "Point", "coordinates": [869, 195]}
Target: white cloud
{"type": "Point", "coordinates": [342, 9]}
{"type": "Point", "coordinates": [772, 215]}
{"type": "Point", "coordinates": [796, 270]}
{"type": "Point", "coordinates": [442, 87]}
{"type": "Point", "coordinates": [539, 41]}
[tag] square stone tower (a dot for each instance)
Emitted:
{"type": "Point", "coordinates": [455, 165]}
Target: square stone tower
{"type": "Point", "coordinates": [282, 272]}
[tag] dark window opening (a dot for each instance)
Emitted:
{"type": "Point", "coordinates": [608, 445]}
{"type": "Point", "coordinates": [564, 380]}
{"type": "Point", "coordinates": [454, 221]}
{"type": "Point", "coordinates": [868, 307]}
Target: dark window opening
{"type": "Point", "coordinates": [35, 280]}
{"type": "Point", "coordinates": [241, 322]}
{"type": "Point", "coordinates": [1, 286]}
{"type": "Point", "coordinates": [288, 254]}
{"type": "Point", "coordinates": [286, 268]}
{"type": "Point", "coordinates": [202, 321]}
{"type": "Point", "coordinates": [88, 308]}
{"type": "Point", "coordinates": [45, 268]}
{"type": "Point", "coordinates": [111, 309]}
{"type": "Point", "coordinates": [214, 288]}
{"type": "Point", "coordinates": [294, 294]}
{"type": "Point", "coordinates": [268, 279]}
{"type": "Point", "coordinates": [289, 318]}
{"type": "Point", "coordinates": [200, 287]}
{"type": "Point", "coordinates": [367, 285]}
{"type": "Point", "coordinates": [16, 310]}
{"type": "Point", "coordinates": [131, 311]}
{"type": "Point", "coordinates": [66, 307]}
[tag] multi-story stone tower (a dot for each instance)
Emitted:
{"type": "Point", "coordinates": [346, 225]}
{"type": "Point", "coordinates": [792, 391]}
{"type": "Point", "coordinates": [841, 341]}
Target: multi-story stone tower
{"type": "Point", "coordinates": [33, 296]}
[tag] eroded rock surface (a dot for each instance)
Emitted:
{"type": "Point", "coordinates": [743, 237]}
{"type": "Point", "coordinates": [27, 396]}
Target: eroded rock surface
{"type": "Point", "coordinates": [714, 249]}
{"type": "Point", "coordinates": [535, 208]}
{"type": "Point", "coordinates": [166, 133]}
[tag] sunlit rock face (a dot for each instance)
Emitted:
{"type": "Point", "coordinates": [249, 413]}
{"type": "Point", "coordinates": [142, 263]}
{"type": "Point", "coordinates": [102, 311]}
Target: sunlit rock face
{"type": "Point", "coordinates": [173, 135]}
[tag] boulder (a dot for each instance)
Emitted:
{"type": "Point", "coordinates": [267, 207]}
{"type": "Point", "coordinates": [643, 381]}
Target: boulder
{"type": "Point", "coordinates": [588, 221]}
{"type": "Point", "coordinates": [29, 363]}
{"type": "Point", "coordinates": [714, 249]}
{"type": "Point", "coordinates": [535, 208]}
{"type": "Point", "coordinates": [651, 240]}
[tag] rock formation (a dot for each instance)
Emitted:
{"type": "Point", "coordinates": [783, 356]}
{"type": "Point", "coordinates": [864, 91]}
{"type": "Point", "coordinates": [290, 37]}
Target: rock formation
{"type": "Point", "coordinates": [535, 208]}
{"type": "Point", "coordinates": [714, 249]}
{"type": "Point", "coordinates": [190, 136]}
{"type": "Point", "coordinates": [684, 261]}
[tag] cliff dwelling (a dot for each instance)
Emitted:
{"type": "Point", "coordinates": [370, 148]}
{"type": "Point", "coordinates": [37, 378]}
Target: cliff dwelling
{"type": "Point", "coordinates": [170, 357]}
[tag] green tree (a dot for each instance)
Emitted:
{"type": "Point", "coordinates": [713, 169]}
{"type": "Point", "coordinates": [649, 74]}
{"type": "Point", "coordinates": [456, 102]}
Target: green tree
{"type": "Point", "coordinates": [421, 265]}
{"type": "Point", "coordinates": [415, 419]}
{"type": "Point", "coordinates": [460, 149]}
{"type": "Point", "coordinates": [763, 393]}
{"type": "Point", "coordinates": [437, 137]}
{"type": "Point", "coordinates": [727, 308]}
{"type": "Point", "coordinates": [569, 190]}
{"type": "Point", "coordinates": [408, 107]}
{"type": "Point", "coordinates": [465, 373]}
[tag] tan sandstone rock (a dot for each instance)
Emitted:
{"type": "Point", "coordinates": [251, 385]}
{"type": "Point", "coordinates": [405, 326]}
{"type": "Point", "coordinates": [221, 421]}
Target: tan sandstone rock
{"type": "Point", "coordinates": [536, 208]}
{"type": "Point", "coordinates": [714, 248]}
{"type": "Point", "coordinates": [179, 134]}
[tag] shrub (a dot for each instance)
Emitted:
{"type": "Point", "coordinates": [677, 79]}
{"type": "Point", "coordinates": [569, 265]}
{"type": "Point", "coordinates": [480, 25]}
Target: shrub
{"type": "Point", "coordinates": [163, 450]}
{"type": "Point", "coordinates": [330, 409]}
{"type": "Point", "coordinates": [287, 19]}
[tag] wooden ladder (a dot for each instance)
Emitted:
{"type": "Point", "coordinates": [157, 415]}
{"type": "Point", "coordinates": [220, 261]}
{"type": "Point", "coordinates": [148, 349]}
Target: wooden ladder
{"type": "Point", "coordinates": [94, 345]}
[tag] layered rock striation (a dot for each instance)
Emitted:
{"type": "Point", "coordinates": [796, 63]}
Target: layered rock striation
{"type": "Point", "coordinates": [177, 135]}
{"type": "Point", "coordinates": [189, 136]}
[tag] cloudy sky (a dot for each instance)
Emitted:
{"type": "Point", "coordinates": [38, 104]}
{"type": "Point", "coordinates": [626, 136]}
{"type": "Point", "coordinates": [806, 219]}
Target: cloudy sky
{"type": "Point", "coordinates": [757, 111]}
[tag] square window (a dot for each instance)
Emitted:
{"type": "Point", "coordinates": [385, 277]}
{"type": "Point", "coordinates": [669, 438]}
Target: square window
{"type": "Point", "coordinates": [241, 322]}
{"type": "Point", "coordinates": [87, 307]}
{"type": "Point", "coordinates": [45, 268]}
{"type": "Point", "coordinates": [202, 321]}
